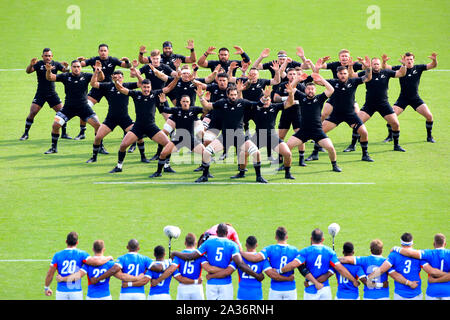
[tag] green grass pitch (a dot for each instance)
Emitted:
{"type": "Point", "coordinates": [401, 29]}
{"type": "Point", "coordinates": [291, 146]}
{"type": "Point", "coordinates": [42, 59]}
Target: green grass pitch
{"type": "Point", "coordinates": [43, 197]}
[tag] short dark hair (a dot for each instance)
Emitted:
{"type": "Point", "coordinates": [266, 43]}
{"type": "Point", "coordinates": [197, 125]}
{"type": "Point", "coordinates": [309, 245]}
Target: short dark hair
{"type": "Point", "coordinates": [409, 54]}
{"type": "Point", "coordinates": [118, 72]}
{"type": "Point", "coordinates": [146, 81]}
{"type": "Point", "coordinates": [159, 252]}
{"type": "Point", "coordinates": [185, 95]}
{"type": "Point", "coordinates": [439, 239]}
{"type": "Point", "coordinates": [222, 75]}
{"type": "Point", "coordinates": [406, 237]}
{"type": "Point", "coordinates": [224, 49]}
{"type": "Point", "coordinates": [133, 245]}
{"type": "Point", "coordinates": [340, 68]}
{"type": "Point", "coordinates": [348, 248]}
{"type": "Point", "coordinates": [73, 61]}
{"type": "Point", "coordinates": [190, 239]}
{"type": "Point", "coordinates": [317, 235]}
{"type": "Point", "coordinates": [281, 233]}
{"type": "Point", "coordinates": [310, 84]}
{"type": "Point", "coordinates": [231, 88]}
{"type": "Point", "coordinates": [103, 45]}
{"type": "Point", "coordinates": [222, 230]}
{"type": "Point", "coordinates": [46, 50]}
{"type": "Point", "coordinates": [251, 241]}
{"type": "Point", "coordinates": [72, 238]}
{"type": "Point", "coordinates": [167, 44]}
{"type": "Point", "coordinates": [98, 246]}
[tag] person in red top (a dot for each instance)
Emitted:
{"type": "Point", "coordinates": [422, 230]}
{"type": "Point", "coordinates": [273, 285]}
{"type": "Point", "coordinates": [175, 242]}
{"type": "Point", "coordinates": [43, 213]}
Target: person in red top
{"type": "Point", "coordinates": [231, 235]}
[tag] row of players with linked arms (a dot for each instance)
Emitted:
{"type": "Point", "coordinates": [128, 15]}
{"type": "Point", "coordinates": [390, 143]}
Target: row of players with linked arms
{"type": "Point", "coordinates": [219, 253]}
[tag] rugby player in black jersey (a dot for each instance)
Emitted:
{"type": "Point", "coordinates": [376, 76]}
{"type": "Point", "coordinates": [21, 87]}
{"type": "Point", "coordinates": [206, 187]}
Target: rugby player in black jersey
{"type": "Point", "coordinates": [409, 91]}
{"type": "Point", "coordinates": [45, 91]}
{"type": "Point", "coordinates": [284, 61]}
{"type": "Point", "coordinates": [232, 110]}
{"type": "Point", "coordinates": [182, 120]}
{"type": "Point", "coordinates": [168, 57]}
{"type": "Point", "coordinates": [344, 58]}
{"type": "Point", "coordinates": [344, 107]}
{"type": "Point", "coordinates": [145, 103]}
{"type": "Point", "coordinates": [108, 66]}
{"type": "Point", "coordinates": [224, 58]}
{"type": "Point", "coordinates": [290, 117]}
{"type": "Point", "coordinates": [253, 91]}
{"type": "Point", "coordinates": [75, 86]}
{"type": "Point", "coordinates": [265, 132]}
{"type": "Point", "coordinates": [117, 110]}
{"type": "Point", "coordinates": [310, 106]}
{"type": "Point", "coordinates": [377, 99]}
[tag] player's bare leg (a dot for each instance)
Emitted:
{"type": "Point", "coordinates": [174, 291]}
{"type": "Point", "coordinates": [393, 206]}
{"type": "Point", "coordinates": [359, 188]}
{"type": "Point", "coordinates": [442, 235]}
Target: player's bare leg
{"type": "Point", "coordinates": [426, 113]}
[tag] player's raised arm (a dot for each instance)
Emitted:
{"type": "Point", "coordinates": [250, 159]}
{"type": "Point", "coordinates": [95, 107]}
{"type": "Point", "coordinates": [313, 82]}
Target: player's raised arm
{"type": "Point", "coordinates": [367, 68]}
{"type": "Point", "coordinates": [142, 59]}
{"type": "Point", "coordinates": [202, 62]}
{"type": "Point", "coordinates": [402, 71]}
{"type": "Point", "coordinates": [212, 76]}
{"type": "Point", "coordinates": [329, 90]}
{"type": "Point", "coordinates": [193, 57]}
{"type": "Point", "coordinates": [30, 67]}
{"type": "Point", "coordinates": [241, 52]}
{"type": "Point", "coordinates": [276, 78]}
{"type": "Point", "coordinates": [94, 80]}
{"type": "Point", "coordinates": [48, 72]}
{"type": "Point", "coordinates": [120, 87]}
{"type": "Point", "coordinates": [433, 63]}
{"type": "Point", "coordinates": [264, 54]}
{"type": "Point", "coordinates": [205, 103]}
{"type": "Point", "coordinates": [125, 62]}
{"type": "Point", "coordinates": [384, 60]}
{"type": "Point", "coordinates": [98, 67]}
{"type": "Point", "coordinates": [172, 84]}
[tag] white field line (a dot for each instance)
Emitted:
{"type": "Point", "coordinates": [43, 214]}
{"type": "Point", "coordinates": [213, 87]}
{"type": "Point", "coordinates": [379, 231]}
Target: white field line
{"type": "Point", "coordinates": [232, 183]}
{"type": "Point", "coordinates": [25, 260]}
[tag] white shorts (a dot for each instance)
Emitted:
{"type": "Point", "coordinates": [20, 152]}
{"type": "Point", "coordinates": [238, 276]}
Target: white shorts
{"type": "Point", "coordinates": [74, 295]}
{"type": "Point", "coordinates": [219, 291]}
{"type": "Point", "coordinates": [427, 297]}
{"type": "Point", "coordinates": [104, 298]}
{"type": "Point", "coordinates": [322, 294]}
{"type": "Point", "coordinates": [162, 296]}
{"type": "Point", "coordinates": [282, 295]}
{"type": "Point", "coordinates": [190, 292]}
{"type": "Point", "coordinates": [398, 297]}
{"type": "Point", "coordinates": [132, 296]}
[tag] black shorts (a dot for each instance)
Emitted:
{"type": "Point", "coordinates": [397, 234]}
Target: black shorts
{"type": "Point", "coordinates": [239, 139]}
{"type": "Point", "coordinates": [96, 94]}
{"type": "Point", "coordinates": [123, 122]}
{"type": "Point", "coordinates": [290, 116]}
{"type": "Point", "coordinates": [266, 138]}
{"type": "Point", "coordinates": [51, 98]}
{"type": "Point", "coordinates": [383, 108]}
{"type": "Point", "coordinates": [83, 111]}
{"type": "Point", "coordinates": [310, 134]}
{"type": "Point", "coordinates": [148, 129]}
{"type": "Point", "coordinates": [188, 142]}
{"type": "Point", "coordinates": [414, 102]}
{"type": "Point", "coordinates": [349, 118]}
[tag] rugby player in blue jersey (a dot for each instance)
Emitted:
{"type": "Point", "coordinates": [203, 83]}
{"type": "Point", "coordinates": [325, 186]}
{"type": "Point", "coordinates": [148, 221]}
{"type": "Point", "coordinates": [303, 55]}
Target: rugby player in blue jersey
{"type": "Point", "coordinates": [437, 259]}
{"type": "Point", "coordinates": [67, 262]}
{"type": "Point", "coordinates": [219, 252]}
